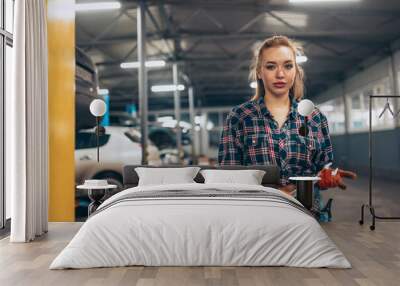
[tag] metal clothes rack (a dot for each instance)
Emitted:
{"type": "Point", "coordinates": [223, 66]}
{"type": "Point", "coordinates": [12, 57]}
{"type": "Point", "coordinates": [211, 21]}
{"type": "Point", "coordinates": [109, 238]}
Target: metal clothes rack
{"type": "Point", "coordinates": [370, 204]}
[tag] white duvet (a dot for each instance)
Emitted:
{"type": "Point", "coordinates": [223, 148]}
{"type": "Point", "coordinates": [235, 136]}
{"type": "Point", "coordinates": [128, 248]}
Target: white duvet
{"type": "Point", "coordinates": [200, 231]}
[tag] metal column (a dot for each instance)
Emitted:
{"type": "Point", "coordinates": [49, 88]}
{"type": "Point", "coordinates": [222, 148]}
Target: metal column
{"type": "Point", "coordinates": [177, 106]}
{"type": "Point", "coordinates": [192, 122]}
{"type": "Point", "coordinates": [346, 125]}
{"type": "Point", "coordinates": [205, 138]}
{"type": "Point", "coordinates": [2, 129]}
{"type": "Point", "coordinates": [3, 204]}
{"type": "Point", "coordinates": [141, 40]}
{"type": "Point", "coordinates": [220, 120]}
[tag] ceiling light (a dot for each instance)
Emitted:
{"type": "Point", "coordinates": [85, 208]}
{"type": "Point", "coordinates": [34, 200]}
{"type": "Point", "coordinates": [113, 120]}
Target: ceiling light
{"type": "Point", "coordinates": [102, 91]}
{"type": "Point", "coordinates": [165, 118]}
{"type": "Point", "coordinates": [301, 59]}
{"type": "Point", "coordinates": [148, 64]}
{"type": "Point", "coordinates": [97, 6]}
{"type": "Point", "coordinates": [167, 87]}
{"type": "Point", "coordinates": [169, 121]}
{"type": "Point", "coordinates": [321, 1]}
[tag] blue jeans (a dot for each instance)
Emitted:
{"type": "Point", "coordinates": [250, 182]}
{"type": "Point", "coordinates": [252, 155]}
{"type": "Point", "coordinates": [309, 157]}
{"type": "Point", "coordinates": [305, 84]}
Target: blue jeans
{"type": "Point", "coordinates": [323, 212]}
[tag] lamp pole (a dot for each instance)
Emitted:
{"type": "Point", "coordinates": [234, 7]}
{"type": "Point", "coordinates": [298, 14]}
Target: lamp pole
{"type": "Point", "coordinates": [97, 137]}
{"type": "Point", "coordinates": [98, 108]}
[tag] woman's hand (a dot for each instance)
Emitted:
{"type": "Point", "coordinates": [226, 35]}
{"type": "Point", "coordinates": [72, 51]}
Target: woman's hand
{"type": "Point", "coordinates": [288, 189]}
{"type": "Point", "coordinates": [334, 178]}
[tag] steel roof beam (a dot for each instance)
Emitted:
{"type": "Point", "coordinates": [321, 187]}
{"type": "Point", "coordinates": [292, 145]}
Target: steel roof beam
{"type": "Point", "coordinates": [260, 7]}
{"type": "Point", "coordinates": [257, 7]}
{"type": "Point", "coordinates": [350, 36]}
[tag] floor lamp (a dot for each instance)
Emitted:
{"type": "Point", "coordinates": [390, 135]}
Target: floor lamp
{"type": "Point", "coordinates": [97, 109]}
{"type": "Point", "coordinates": [305, 108]}
{"type": "Point", "coordinates": [305, 184]}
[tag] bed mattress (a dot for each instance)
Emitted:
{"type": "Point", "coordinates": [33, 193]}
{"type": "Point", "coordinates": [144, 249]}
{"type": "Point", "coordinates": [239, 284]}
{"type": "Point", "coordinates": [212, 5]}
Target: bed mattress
{"type": "Point", "coordinates": [201, 225]}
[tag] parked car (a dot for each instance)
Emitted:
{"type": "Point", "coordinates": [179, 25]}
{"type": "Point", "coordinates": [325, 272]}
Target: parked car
{"type": "Point", "coordinates": [165, 140]}
{"type": "Point", "coordinates": [118, 147]}
{"type": "Point", "coordinates": [120, 118]}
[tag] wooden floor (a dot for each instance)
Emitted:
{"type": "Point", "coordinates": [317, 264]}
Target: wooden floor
{"type": "Point", "coordinates": [375, 256]}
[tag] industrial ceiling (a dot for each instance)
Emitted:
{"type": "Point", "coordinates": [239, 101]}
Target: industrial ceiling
{"type": "Point", "coordinates": [213, 42]}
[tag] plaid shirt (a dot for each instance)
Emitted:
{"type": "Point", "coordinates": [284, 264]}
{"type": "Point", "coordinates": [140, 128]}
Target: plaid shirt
{"type": "Point", "coordinates": [252, 137]}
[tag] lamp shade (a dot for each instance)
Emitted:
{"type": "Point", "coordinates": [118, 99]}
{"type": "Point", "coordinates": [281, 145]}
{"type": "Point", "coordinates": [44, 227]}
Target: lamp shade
{"type": "Point", "coordinates": [97, 107]}
{"type": "Point", "coordinates": [305, 107]}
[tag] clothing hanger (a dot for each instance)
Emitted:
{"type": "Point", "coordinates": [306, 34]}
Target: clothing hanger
{"type": "Point", "coordinates": [397, 114]}
{"type": "Point", "coordinates": [387, 106]}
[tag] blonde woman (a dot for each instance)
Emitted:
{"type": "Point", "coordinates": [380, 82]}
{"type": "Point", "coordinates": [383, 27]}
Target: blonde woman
{"type": "Point", "coordinates": [265, 129]}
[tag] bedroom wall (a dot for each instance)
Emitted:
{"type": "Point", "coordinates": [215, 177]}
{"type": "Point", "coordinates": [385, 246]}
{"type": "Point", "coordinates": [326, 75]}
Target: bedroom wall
{"type": "Point", "coordinates": [351, 149]}
{"type": "Point", "coordinates": [352, 152]}
{"type": "Point", "coordinates": [61, 51]}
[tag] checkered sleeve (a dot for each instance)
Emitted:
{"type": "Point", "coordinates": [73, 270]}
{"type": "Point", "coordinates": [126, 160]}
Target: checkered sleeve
{"type": "Point", "coordinates": [326, 154]}
{"type": "Point", "coordinates": [230, 146]}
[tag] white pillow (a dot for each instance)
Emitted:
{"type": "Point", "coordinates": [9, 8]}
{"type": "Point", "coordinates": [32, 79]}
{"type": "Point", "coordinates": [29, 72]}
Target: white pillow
{"type": "Point", "coordinates": [163, 176]}
{"type": "Point", "coordinates": [249, 177]}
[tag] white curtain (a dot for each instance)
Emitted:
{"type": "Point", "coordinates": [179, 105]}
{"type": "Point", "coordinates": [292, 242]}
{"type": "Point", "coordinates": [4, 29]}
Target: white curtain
{"type": "Point", "coordinates": [26, 124]}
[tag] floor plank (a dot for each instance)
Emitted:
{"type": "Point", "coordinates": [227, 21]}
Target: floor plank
{"type": "Point", "coordinates": [375, 255]}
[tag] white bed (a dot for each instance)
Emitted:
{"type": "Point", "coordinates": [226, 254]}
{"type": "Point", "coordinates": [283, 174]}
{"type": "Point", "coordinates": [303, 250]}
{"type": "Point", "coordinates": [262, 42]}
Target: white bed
{"type": "Point", "coordinates": [184, 230]}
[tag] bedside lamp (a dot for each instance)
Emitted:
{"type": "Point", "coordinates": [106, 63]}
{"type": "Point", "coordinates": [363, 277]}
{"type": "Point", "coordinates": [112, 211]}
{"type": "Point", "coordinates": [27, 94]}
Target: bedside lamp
{"type": "Point", "coordinates": [97, 109]}
{"type": "Point", "coordinates": [305, 185]}
{"type": "Point", "coordinates": [305, 108]}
